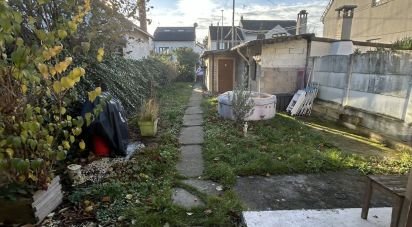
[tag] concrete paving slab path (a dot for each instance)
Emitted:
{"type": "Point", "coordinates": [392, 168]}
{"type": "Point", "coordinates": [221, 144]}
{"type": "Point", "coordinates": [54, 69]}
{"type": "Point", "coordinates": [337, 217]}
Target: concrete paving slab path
{"type": "Point", "coordinates": [205, 186]}
{"type": "Point", "coordinates": [185, 199]}
{"type": "Point", "coordinates": [192, 135]}
{"type": "Point", "coordinates": [194, 110]}
{"type": "Point", "coordinates": [190, 163]}
{"type": "Point", "coordinates": [192, 122]}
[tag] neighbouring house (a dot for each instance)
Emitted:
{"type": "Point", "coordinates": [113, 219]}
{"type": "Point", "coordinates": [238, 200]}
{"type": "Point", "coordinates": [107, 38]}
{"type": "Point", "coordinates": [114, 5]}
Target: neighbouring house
{"type": "Point", "coordinates": [139, 44]}
{"type": "Point", "coordinates": [167, 39]}
{"type": "Point", "coordinates": [383, 21]}
{"type": "Point", "coordinates": [266, 29]}
{"type": "Point", "coordinates": [220, 37]}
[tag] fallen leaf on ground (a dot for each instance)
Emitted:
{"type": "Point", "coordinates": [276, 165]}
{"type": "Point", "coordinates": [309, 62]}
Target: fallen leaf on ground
{"type": "Point", "coordinates": [209, 211]}
{"type": "Point", "coordinates": [88, 209]}
{"type": "Point", "coordinates": [129, 196]}
{"type": "Point", "coordinates": [106, 199]}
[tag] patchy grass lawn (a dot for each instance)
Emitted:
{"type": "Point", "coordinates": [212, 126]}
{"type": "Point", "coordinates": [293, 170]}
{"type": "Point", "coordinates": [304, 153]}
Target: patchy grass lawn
{"type": "Point", "coordinates": [139, 191]}
{"type": "Point", "coordinates": [283, 145]}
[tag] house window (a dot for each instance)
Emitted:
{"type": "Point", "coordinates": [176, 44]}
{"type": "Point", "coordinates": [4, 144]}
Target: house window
{"type": "Point", "coordinates": [164, 50]}
{"type": "Point", "coordinates": [379, 2]}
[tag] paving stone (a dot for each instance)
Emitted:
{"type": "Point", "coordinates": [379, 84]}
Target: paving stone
{"type": "Point", "coordinates": [191, 135]}
{"type": "Point", "coordinates": [207, 187]}
{"type": "Point", "coordinates": [185, 199]}
{"type": "Point", "coordinates": [190, 163]}
{"type": "Point", "coordinates": [193, 120]}
{"type": "Point", "coordinates": [195, 103]}
{"type": "Point", "coordinates": [194, 110]}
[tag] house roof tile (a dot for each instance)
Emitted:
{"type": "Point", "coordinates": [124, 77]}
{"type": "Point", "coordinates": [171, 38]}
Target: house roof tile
{"type": "Point", "coordinates": [267, 25]}
{"type": "Point", "coordinates": [175, 34]}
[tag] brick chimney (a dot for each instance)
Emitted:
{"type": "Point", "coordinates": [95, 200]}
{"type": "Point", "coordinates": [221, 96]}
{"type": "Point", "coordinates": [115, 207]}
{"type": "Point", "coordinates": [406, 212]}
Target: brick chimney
{"type": "Point", "coordinates": [345, 14]}
{"type": "Point", "coordinates": [302, 22]}
{"type": "Point", "coordinates": [142, 14]}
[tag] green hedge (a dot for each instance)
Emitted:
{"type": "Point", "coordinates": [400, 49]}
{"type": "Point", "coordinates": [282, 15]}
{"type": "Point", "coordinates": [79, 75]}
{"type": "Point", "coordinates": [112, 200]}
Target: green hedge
{"type": "Point", "coordinates": [130, 81]}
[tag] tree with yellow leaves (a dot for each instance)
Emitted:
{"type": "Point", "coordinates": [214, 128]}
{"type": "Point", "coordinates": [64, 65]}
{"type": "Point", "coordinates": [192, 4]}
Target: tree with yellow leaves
{"type": "Point", "coordinates": [36, 84]}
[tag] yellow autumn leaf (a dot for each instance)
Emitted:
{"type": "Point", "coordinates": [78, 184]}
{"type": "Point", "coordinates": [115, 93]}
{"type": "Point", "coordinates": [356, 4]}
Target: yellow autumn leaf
{"type": "Point", "coordinates": [93, 94]}
{"type": "Point", "coordinates": [82, 71]}
{"type": "Point", "coordinates": [100, 51]}
{"type": "Point", "coordinates": [22, 178]}
{"type": "Point", "coordinates": [76, 73]}
{"type": "Point", "coordinates": [43, 69]}
{"type": "Point", "coordinates": [67, 83]}
{"type": "Point", "coordinates": [10, 152]}
{"type": "Point", "coordinates": [59, 68]}
{"type": "Point", "coordinates": [100, 54]}
{"type": "Point", "coordinates": [66, 145]}
{"type": "Point", "coordinates": [52, 71]}
{"type": "Point", "coordinates": [82, 145]}
{"type": "Point", "coordinates": [46, 55]}
{"type": "Point", "coordinates": [98, 90]}
{"type": "Point", "coordinates": [99, 58]}
{"type": "Point", "coordinates": [57, 87]}
{"type": "Point", "coordinates": [32, 177]}
{"type": "Point", "coordinates": [62, 34]}
{"type": "Point", "coordinates": [50, 140]}
{"type": "Point", "coordinates": [68, 60]}
{"type": "Point", "coordinates": [24, 88]}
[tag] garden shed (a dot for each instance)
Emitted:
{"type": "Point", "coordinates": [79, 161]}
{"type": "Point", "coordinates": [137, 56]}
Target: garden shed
{"type": "Point", "coordinates": [224, 69]}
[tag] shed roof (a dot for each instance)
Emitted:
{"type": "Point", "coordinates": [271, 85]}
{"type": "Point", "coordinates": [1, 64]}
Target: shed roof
{"type": "Point", "coordinates": [175, 34]}
{"type": "Point", "coordinates": [267, 25]}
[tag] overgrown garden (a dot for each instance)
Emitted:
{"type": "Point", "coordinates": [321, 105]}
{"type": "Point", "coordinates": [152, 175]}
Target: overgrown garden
{"type": "Point", "coordinates": [53, 58]}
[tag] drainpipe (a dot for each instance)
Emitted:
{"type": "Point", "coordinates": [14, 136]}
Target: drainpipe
{"type": "Point", "coordinates": [308, 50]}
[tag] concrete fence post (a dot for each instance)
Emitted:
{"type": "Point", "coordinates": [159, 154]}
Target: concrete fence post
{"type": "Point", "coordinates": [345, 98]}
{"type": "Point", "coordinates": [407, 108]}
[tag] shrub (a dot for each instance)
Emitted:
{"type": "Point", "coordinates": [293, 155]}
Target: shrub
{"type": "Point", "coordinates": [130, 81]}
{"type": "Point", "coordinates": [242, 103]}
{"type": "Point", "coordinates": [403, 44]}
{"type": "Point", "coordinates": [36, 89]}
{"type": "Point", "coordinates": [186, 60]}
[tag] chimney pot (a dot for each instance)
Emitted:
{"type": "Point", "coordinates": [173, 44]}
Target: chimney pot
{"type": "Point", "coordinates": [301, 23]}
{"type": "Point", "coordinates": [347, 19]}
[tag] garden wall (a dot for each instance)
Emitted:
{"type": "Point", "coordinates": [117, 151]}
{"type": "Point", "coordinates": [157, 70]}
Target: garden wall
{"type": "Point", "coordinates": [371, 90]}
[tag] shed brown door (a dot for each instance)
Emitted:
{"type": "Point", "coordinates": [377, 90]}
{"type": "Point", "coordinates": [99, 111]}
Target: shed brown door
{"type": "Point", "coordinates": [225, 75]}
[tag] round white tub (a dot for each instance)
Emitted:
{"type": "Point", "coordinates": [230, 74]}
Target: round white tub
{"type": "Point", "coordinates": [264, 106]}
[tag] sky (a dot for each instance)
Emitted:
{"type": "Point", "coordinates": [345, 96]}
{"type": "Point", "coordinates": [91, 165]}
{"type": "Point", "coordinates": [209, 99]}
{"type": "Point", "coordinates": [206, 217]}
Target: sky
{"type": "Point", "coordinates": [205, 12]}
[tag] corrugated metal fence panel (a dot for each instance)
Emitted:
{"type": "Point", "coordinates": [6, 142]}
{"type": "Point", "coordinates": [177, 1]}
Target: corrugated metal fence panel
{"type": "Point", "coordinates": [283, 101]}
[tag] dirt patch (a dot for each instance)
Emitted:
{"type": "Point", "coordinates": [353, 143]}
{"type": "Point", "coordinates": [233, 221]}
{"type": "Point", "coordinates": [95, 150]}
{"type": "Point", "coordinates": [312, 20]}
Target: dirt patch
{"type": "Point", "coordinates": [307, 191]}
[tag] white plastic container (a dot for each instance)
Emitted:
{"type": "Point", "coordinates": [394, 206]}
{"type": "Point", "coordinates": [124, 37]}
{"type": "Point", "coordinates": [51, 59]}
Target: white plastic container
{"type": "Point", "coordinates": [264, 106]}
